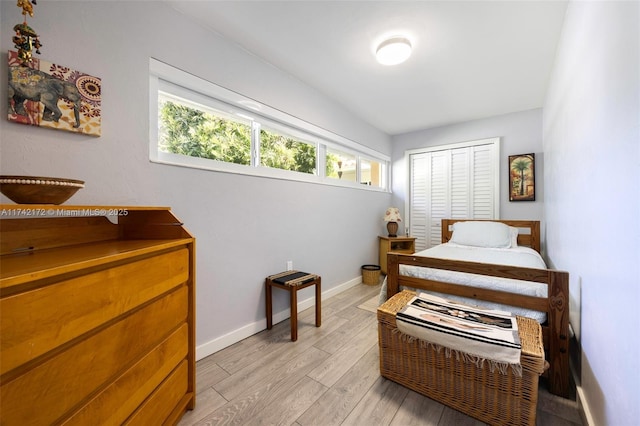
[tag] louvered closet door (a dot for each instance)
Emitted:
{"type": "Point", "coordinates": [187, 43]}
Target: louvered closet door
{"type": "Point", "coordinates": [419, 198]}
{"type": "Point", "coordinates": [430, 188]}
{"type": "Point", "coordinates": [484, 183]}
{"type": "Point", "coordinates": [458, 183]}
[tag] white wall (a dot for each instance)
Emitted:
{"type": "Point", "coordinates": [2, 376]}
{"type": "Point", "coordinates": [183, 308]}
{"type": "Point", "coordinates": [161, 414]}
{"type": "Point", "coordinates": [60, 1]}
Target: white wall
{"type": "Point", "coordinates": [592, 203]}
{"type": "Point", "coordinates": [246, 227]}
{"type": "Point", "coordinates": [519, 132]}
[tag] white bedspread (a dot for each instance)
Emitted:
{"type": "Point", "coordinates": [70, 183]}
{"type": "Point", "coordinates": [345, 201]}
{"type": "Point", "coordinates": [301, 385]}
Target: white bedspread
{"type": "Point", "coordinates": [517, 256]}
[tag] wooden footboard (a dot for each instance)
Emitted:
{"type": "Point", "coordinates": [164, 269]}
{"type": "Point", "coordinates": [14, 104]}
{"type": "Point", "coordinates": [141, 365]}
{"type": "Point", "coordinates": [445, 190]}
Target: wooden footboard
{"type": "Point", "coordinates": [556, 304]}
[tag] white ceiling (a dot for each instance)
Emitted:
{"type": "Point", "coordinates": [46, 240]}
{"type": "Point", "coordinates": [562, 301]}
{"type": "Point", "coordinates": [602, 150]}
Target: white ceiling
{"type": "Point", "coordinates": [471, 59]}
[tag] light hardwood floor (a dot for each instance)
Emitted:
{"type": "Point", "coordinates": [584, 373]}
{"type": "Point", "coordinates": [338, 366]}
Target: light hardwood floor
{"type": "Point", "coordinates": [330, 376]}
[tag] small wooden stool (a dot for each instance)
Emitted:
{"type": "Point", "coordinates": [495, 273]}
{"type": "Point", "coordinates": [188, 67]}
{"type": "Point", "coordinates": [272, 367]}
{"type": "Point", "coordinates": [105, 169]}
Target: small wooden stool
{"type": "Point", "coordinates": [292, 281]}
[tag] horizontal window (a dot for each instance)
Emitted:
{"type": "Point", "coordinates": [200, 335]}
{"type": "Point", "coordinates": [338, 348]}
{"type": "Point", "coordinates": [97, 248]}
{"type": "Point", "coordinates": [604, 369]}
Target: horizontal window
{"type": "Point", "coordinates": [194, 130]}
{"type": "Point", "coordinates": [341, 165]}
{"type": "Point", "coordinates": [195, 123]}
{"type": "Point", "coordinates": [281, 151]}
{"type": "Point", "coordinates": [371, 172]}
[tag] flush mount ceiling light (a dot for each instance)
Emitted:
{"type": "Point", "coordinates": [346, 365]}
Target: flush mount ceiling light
{"type": "Point", "coordinates": [393, 51]}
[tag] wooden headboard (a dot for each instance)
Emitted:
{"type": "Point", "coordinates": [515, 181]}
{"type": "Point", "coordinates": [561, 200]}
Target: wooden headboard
{"type": "Point", "coordinates": [530, 237]}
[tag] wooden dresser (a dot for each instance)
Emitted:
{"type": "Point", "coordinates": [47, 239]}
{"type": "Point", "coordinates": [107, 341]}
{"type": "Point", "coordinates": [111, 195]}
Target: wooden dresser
{"type": "Point", "coordinates": [97, 315]}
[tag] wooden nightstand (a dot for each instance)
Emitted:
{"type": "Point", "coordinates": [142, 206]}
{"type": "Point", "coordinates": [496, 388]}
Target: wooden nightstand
{"type": "Point", "coordinates": [405, 245]}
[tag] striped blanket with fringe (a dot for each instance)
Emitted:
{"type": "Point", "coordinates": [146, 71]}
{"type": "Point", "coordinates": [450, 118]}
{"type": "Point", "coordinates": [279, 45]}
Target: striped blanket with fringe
{"type": "Point", "coordinates": [475, 334]}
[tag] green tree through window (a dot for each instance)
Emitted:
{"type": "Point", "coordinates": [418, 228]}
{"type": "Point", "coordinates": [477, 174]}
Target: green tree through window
{"type": "Point", "coordinates": [196, 123]}
{"type": "Point", "coordinates": [192, 132]}
{"type": "Point", "coordinates": [282, 152]}
{"type": "Point", "coordinates": [196, 133]}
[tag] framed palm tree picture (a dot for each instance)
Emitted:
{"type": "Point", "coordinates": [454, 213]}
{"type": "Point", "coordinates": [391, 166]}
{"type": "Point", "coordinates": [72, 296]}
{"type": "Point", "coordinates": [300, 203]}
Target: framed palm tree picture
{"type": "Point", "coordinates": [522, 185]}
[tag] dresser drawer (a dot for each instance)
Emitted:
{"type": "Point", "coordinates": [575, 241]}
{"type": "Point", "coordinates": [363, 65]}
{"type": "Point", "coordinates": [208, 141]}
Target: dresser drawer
{"type": "Point", "coordinates": [161, 403]}
{"type": "Point", "coordinates": [47, 391]}
{"type": "Point", "coordinates": [36, 321]}
{"type": "Point", "coordinates": [116, 403]}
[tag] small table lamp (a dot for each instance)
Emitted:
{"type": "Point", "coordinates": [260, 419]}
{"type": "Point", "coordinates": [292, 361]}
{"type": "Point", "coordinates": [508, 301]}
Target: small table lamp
{"type": "Point", "coordinates": [392, 217]}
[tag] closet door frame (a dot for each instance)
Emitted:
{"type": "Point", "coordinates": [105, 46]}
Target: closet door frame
{"type": "Point", "coordinates": [495, 144]}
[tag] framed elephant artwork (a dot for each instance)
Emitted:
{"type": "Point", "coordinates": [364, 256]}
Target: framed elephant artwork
{"type": "Point", "coordinates": [48, 95]}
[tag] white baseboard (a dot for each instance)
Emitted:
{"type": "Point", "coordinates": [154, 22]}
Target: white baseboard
{"type": "Point", "coordinates": [583, 407]}
{"type": "Point", "coordinates": [213, 346]}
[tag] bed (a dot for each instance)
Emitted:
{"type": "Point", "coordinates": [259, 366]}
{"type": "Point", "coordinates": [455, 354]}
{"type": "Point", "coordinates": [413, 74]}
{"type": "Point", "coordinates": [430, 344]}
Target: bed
{"type": "Point", "coordinates": [546, 295]}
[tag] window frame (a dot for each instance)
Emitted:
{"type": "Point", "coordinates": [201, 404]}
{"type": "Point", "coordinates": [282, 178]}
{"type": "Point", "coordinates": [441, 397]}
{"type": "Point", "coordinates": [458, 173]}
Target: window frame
{"type": "Point", "coordinates": [179, 83]}
{"type": "Point", "coordinates": [215, 108]}
{"type": "Point", "coordinates": [344, 151]}
{"type": "Point", "coordinates": [383, 168]}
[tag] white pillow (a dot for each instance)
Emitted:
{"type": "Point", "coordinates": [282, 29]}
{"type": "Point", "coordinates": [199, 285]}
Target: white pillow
{"type": "Point", "coordinates": [514, 236]}
{"type": "Point", "coordinates": [482, 234]}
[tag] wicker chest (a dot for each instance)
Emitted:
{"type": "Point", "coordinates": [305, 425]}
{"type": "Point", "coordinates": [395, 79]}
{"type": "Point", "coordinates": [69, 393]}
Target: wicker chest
{"type": "Point", "coordinates": [492, 397]}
